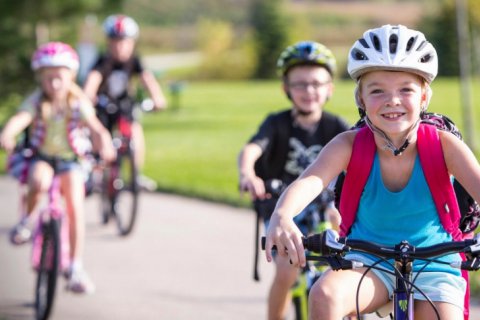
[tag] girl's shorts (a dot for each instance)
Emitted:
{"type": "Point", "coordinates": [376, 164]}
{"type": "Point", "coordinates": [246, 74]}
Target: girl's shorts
{"type": "Point", "coordinates": [437, 286]}
{"type": "Point", "coordinates": [59, 165]}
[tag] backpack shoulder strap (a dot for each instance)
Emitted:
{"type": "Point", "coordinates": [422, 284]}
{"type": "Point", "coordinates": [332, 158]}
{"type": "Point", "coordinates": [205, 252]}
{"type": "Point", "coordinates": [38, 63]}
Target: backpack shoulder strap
{"type": "Point", "coordinates": [435, 170]}
{"type": "Point", "coordinates": [358, 170]}
{"type": "Point", "coordinates": [438, 179]}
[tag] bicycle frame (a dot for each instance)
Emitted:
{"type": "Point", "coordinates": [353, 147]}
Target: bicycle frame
{"type": "Point", "coordinates": [118, 184]}
{"type": "Point", "coordinates": [50, 251]}
{"type": "Point", "coordinates": [331, 247]}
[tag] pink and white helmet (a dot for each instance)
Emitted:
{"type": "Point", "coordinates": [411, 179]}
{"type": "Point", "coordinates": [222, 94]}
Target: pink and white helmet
{"type": "Point", "coordinates": [396, 48]}
{"type": "Point", "coordinates": [55, 54]}
{"type": "Point", "coordinates": [120, 26]}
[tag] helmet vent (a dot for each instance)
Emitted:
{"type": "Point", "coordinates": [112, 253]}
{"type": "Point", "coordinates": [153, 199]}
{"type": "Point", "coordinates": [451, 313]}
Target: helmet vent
{"type": "Point", "coordinates": [364, 43]}
{"type": "Point", "coordinates": [393, 43]}
{"type": "Point", "coordinates": [376, 42]}
{"type": "Point", "coordinates": [358, 55]}
{"type": "Point", "coordinates": [422, 45]}
{"type": "Point", "coordinates": [410, 43]}
{"type": "Point", "coordinates": [426, 58]}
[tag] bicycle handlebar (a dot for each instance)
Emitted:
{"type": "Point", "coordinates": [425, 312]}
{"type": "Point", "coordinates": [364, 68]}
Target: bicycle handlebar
{"type": "Point", "coordinates": [328, 243]}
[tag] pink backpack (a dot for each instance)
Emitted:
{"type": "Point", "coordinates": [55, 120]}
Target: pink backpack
{"type": "Point", "coordinates": [436, 174]}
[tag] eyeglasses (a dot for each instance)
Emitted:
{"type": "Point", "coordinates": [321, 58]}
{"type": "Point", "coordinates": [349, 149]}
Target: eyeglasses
{"type": "Point", "coordinates": [305, 85]}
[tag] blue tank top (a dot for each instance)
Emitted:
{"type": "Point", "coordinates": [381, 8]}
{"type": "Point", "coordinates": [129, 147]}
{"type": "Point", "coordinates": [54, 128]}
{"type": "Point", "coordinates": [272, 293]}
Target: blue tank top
{"type": "Point", "coordinates": [387, 217]}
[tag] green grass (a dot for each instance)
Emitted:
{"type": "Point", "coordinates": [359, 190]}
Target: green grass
{"type": "Point", "coordinates": [192, 150]}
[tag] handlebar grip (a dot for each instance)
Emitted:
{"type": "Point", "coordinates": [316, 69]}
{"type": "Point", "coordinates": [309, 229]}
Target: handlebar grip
{"type": "Point", "coordinates": [264, 240]}
{"type": "Point", "coordinates": [314, 243]}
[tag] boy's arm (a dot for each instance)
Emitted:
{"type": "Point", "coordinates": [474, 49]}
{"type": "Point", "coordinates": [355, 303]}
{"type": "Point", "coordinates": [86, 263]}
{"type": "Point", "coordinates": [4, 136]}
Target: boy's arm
{"type": "Point", "coordinates": [154, 90]}
{"type": "Point", "coordinates": [102, 139]}
{"type": "Point", "coordinates": [12, 128]}
{"type": "Point", "coordinates": [92, 84]}
{"type": "Point", "coordinates": [248, 180]}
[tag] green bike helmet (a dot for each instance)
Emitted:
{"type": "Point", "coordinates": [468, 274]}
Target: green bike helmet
{"type": "Point", "coordinates": [306, 53]}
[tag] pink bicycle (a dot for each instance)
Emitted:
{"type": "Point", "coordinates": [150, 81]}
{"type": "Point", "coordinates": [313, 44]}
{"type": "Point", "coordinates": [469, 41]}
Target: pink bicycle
{"type": "Point", "coordinates": [50, 252]}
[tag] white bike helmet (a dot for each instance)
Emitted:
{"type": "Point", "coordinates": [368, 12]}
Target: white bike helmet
{"type": "Point", "coordinates": [395, 48]}
{"type": "Point", "coordinates": [120, 26]}
{"type": "Point", "coordinates": [55, 54]}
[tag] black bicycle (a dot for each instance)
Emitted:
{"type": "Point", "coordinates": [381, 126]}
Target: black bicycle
{"type": "Point", "coordinates": [331, 250]}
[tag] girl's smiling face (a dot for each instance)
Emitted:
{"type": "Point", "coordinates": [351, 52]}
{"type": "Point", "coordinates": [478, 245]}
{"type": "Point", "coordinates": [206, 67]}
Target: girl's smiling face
{"type": "Point", "coordinates": [392, 100]}
{"type": "Point", "coordinates": [56, 81]}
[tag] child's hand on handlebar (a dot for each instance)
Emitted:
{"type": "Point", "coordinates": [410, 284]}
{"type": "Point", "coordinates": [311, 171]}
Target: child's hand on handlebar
{"type": "Point", "coordinates": [253, 185]}
{"type": "Point", "coordinates": [285, 235]}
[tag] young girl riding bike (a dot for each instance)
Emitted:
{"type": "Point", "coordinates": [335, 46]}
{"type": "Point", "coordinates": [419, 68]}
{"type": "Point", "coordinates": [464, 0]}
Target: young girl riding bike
{"type": "Point", "coordinates": [56, 115]}
{"type": "Point", "coordinates": [393, 67]}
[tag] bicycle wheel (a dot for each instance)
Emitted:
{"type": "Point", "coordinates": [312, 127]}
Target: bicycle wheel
{"type": "Point", "coordinates": [125, 199]}
{"type": "Point", "coordinates": [47, 270]}
{"type": "Point", "coordinates": [300, 297]}
{"type": "Point", "coordinates": [106, 196]}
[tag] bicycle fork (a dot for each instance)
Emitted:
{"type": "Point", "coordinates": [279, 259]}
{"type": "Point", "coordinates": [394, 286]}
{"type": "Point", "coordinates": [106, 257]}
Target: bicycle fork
{"type": "Point", "coordinates": [403, 297]}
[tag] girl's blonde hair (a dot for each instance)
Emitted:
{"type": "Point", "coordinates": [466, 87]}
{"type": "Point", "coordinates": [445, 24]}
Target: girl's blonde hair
{"type": "Point", "coordinates": [75, 94]}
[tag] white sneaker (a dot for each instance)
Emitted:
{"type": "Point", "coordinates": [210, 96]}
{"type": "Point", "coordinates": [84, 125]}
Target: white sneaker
{"type": "Point", "coordinates": [20, 233]}
{"type": "Point", "coordinates": [146, 184]}
{"type": "Point", "coordinates": [79, 282]}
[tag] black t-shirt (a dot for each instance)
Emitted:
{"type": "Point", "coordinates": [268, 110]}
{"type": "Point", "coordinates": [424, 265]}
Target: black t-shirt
{"type": "Point", "coordinates": [288, 149]}
{"type": "Point", "coordinates": [116, 75]}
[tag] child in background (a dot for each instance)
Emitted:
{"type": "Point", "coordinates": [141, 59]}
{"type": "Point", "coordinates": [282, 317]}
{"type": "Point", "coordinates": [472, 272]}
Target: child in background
{"type": "Point", "coordinates": [393, 67]}
{"type": "Point", "coordinates": [56, 114]}
{"type": "Point", "coordinates": [286, 143]}
{"type": "Point", "coordinates": [108, 83]}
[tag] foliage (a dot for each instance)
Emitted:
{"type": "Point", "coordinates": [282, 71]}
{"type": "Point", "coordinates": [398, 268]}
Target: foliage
{"type": "Point", "coordinates": [20, 22]}
{"type": "Point", "coordinates": [442, 32]}
{"type": "Point", "coordinates": [270, 34]}
{"type": "Point", "coordinates": [225, 56]}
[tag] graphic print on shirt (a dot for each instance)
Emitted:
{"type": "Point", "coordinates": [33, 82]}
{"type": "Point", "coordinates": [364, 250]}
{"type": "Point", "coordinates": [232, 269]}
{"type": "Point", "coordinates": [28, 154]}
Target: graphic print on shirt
{"type": "Point", "coordinates": [300, 156]}
{"type": "Point", "coordinates": [117, 83]}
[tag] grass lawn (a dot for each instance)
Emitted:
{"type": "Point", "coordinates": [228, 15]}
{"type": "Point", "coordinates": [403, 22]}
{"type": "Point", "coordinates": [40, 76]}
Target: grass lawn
{"type": "Point", "coordinates": [192, 150]}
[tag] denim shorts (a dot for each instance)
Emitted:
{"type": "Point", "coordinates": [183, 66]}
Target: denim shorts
{"type": "Point", "coordinates": [59, 165]}
{"type": "Point", "coordinates": [437, 286]}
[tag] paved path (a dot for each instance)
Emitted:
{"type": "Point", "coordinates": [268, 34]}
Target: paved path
{"type": "Point", "coordinates": [187, 259]}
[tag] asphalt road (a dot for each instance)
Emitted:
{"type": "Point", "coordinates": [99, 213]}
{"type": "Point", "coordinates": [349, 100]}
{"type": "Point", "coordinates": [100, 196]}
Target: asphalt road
{"type": "Point", "coordinates": [187, 259]}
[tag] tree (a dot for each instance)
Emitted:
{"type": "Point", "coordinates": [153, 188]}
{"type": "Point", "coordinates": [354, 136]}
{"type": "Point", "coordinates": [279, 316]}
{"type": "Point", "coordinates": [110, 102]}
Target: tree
{"type": "Point", "coordinates": [442, 32]}
{"type": "Point", "coordinates": [270, 35]}
{"type": "Point", "coordinates": [19, 21]}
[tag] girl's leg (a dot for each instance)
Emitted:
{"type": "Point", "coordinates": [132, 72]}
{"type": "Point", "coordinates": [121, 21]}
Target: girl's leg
{"type": "Point", "coordinates": [423, 310]}
{"type": "Point", "coordinates": [73, 189]}
{"type": "Point", "coordinates": [333, 296]}
{"type": "Point", "coordinates": [39, 180]}
{"type": "Point", "coordinates": [279, 296]}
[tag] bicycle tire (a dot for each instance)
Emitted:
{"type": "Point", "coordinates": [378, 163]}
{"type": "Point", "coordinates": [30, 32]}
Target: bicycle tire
{"type": "Point", "coordinates": [48, 268]}
{"type": "Point", "coordinates": [126, 193]}
{"type": "Point", "coordinates": [106, 196]}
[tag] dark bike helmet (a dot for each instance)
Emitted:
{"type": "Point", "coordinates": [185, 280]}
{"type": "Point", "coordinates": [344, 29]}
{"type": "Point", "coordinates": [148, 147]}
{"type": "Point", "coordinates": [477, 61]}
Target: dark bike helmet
{"type": "Point", "coordinates": [395, 48]}
{"type": "Point", "coordinates": [306, 53]}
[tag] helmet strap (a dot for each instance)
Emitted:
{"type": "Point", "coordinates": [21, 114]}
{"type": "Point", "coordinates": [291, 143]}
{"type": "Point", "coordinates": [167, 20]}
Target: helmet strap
{"type": "Point", "coordinates": [388, 142]}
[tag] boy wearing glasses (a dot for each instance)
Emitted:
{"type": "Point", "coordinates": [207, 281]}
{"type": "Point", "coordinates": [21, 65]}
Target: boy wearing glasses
{"type": "Point", "coordinates": [286, 143]}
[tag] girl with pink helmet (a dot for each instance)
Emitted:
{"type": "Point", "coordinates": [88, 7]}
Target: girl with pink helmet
{"type": "Point", "coordinates": [56, 115]}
